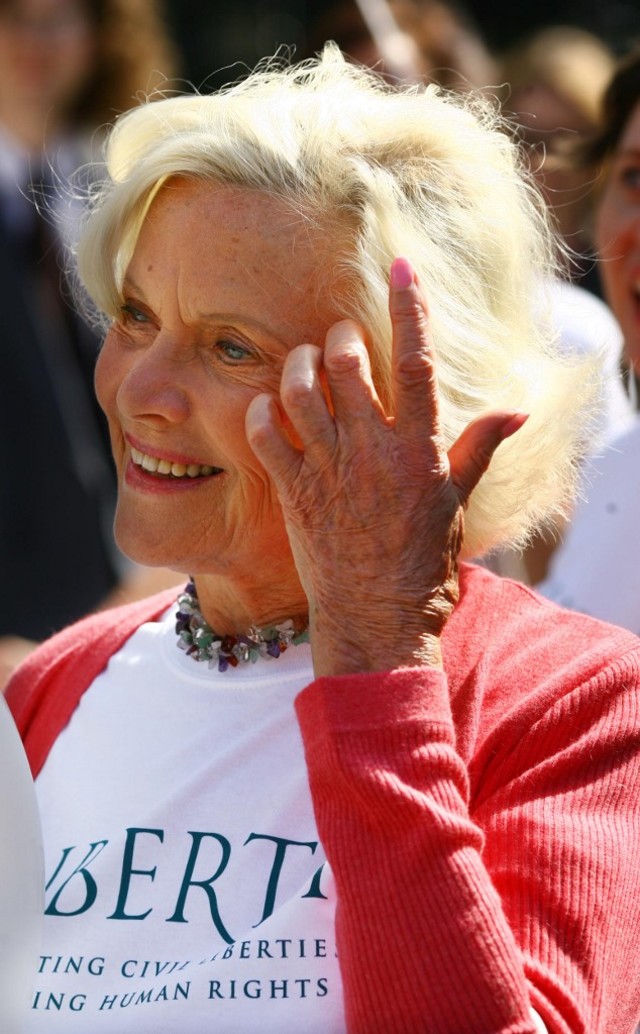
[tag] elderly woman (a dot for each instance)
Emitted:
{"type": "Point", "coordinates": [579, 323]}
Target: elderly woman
{"type": "Point", "coordinates": [425, 818]}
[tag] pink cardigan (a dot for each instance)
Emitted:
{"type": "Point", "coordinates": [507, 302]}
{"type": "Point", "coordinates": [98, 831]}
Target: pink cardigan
{"type": "Point", "coordinates": [483, 826]}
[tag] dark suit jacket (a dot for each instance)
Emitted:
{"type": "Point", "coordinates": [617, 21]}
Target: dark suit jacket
{"type": "Point", "coordinates": [57, 558]}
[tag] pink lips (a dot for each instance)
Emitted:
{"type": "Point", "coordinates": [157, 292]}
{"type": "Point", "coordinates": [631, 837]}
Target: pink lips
{"type": "Point", "coordinates": [145, 481]}
{"type": "Point", "coordinates": [151, 471]}
{"type": "Point", "coordinates": [171, 457]}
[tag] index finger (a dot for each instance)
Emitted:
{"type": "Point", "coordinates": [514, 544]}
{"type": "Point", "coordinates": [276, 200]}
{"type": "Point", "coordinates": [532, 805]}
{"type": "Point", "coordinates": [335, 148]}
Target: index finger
{"type": "Point", "coordinates": [414, 375]}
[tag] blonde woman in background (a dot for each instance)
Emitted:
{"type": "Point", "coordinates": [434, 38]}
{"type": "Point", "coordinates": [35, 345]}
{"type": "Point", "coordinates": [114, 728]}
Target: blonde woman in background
{"type": "Point", "coordinates": [556, 80]}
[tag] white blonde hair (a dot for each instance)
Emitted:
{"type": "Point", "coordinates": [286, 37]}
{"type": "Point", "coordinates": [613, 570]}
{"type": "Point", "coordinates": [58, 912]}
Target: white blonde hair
{"type": "Point", "coordinates": [404, 171]}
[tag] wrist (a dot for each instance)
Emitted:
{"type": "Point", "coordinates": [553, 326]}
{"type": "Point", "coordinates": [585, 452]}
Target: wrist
{"type": "Point", "coordinates": [341, 648]}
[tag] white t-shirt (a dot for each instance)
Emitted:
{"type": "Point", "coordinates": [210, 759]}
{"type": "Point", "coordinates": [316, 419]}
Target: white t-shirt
{"type": "Point", "coordinates": [186, 886]}
{"type": "Point", "coordinates": [586, 326]}
{"type": "Point", "coordinates": [595, 570]}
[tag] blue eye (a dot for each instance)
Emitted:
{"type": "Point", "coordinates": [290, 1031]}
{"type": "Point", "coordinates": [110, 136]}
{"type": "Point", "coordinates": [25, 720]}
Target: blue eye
{"type": "Point", "coordinates": [130, 313]}
{"type": "Point", "coordinates": [232, 351]}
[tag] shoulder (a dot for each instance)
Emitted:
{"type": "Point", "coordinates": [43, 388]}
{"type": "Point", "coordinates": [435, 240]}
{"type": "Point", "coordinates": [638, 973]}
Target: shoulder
{"type": "Point", "coordinates": [584, 323]}
{"type": "Point", "coordinates": [623, 447]}
{"type": "Point", "coordinates": [604, 529]}
{"type": "Point", "coordinates": [97, 632]}
{"type": "Point", "coordinates": [518, 637]}
{"type": "Point", "coordinates": [45, 690]}
{"type": "Point", "coordinates": [530, 681]}
{"type": "Point", "coordinates": [619, 457]}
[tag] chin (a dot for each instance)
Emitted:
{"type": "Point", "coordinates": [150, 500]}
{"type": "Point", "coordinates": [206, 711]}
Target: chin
{"type": "Point", "coordinates": [150, 552]}
{"type": "Point", "coordinates": [146, 549]}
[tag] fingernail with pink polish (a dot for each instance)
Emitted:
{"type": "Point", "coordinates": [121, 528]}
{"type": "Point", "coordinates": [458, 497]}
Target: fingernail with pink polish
{"type": "Point", "coordinates": [513, 423]}
{"type": "Point", "coordinates": [401, 275]}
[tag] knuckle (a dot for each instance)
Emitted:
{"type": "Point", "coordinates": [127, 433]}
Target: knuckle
{"type": "Point", "coordinates": [342, 329]}
{"type": "Point", "coordinates": [350, 358]}
{"type": "Point", "coordinates": [297, 392]}
{"type": "Point", "coordinates": [414, 366]}
{"type": "Point", "coordinates": [406, 309]}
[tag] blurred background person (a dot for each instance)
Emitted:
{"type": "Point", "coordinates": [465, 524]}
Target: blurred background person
{"type": "Point", "coordinates": [407, 39]}
{"type": "Point", "coordinates": [595, 569]}
{"type": "Point", "coordinates": [556, 79]}
{"type": "Point", "coordinates": [584, 325]}
{"type": "Point", "coordinates": [67, 67]}
{"type": "Point", "coordinates": [220, 41]}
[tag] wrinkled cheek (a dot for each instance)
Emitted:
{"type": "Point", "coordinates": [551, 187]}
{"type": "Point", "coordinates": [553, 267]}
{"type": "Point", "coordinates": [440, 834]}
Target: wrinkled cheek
{"type": "Point", "coordinates": [103, 379]}
{"type": "Point", "coordinates": [106, 383]}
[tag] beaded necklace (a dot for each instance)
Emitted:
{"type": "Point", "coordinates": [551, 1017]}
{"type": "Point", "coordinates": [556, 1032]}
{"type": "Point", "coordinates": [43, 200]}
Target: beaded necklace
{"type": "Point", "coordinates": [197, 638]}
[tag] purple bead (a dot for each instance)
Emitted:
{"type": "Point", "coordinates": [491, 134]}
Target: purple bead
{"type": "Point", "coordinates": [182, 621]}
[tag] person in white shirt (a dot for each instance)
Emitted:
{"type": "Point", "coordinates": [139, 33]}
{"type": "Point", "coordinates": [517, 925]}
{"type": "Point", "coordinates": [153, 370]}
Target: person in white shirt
{"type": "Point", "coordinates": [594, 569]}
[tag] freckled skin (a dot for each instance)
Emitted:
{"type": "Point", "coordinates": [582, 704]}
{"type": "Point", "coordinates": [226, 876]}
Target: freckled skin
{"type": "Point", "coordinates": [223, 356]}
{"type": "Point", "coordinates": [212, 311]}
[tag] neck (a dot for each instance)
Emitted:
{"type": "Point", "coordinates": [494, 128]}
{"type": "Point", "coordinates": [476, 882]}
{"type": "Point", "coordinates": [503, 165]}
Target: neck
{"type": "Point", "coordinates": [232, 607]}
{"type": "Point", "coordinates": [201, 642]}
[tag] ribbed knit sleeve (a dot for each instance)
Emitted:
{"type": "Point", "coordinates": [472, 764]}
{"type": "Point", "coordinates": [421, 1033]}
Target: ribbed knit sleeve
{"type": "Point", "coordinates": [457, 913]}
{"type": "Point", "coordinates": [561, 815]}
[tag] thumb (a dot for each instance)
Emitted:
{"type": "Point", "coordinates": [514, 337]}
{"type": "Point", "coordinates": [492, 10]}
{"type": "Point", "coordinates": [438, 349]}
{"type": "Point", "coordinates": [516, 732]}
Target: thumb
{"type": "Point", "coordinates": [471, 454]}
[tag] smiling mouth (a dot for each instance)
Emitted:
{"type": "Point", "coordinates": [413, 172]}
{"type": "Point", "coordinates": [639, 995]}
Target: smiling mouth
{"type": "Point", "coordinates": [167, 469]}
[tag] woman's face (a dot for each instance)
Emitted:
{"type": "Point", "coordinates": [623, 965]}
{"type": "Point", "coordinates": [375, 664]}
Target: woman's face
{"type": "Point", "coordinates": [46, 51]}
{"type": "Point", "coordinates": [618, 236]}
{"type": "Point", "coordinates": [222, 285]}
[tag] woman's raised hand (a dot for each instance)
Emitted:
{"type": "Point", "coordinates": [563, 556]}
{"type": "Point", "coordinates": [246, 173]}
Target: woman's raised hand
{"type": "Point", "coordinates": [373, 504]}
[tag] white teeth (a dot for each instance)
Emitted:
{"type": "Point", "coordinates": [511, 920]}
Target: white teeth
{"type": "Point", "coordinates": [177, 470]}
{"type": "Point", "coordinates": [149, 463]}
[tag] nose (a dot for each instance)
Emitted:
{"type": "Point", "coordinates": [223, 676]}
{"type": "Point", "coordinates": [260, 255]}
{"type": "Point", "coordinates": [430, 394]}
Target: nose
{"type": "Point", "coordinates": [154, 388]}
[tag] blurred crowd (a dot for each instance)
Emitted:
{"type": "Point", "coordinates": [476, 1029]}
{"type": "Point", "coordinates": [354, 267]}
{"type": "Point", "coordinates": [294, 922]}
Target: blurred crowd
{"type": "Point", "coordinates": [69, 67]}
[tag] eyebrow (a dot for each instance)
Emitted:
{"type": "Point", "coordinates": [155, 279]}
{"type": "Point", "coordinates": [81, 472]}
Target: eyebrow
{"type": "Point", "coordinates": [129, 284]}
